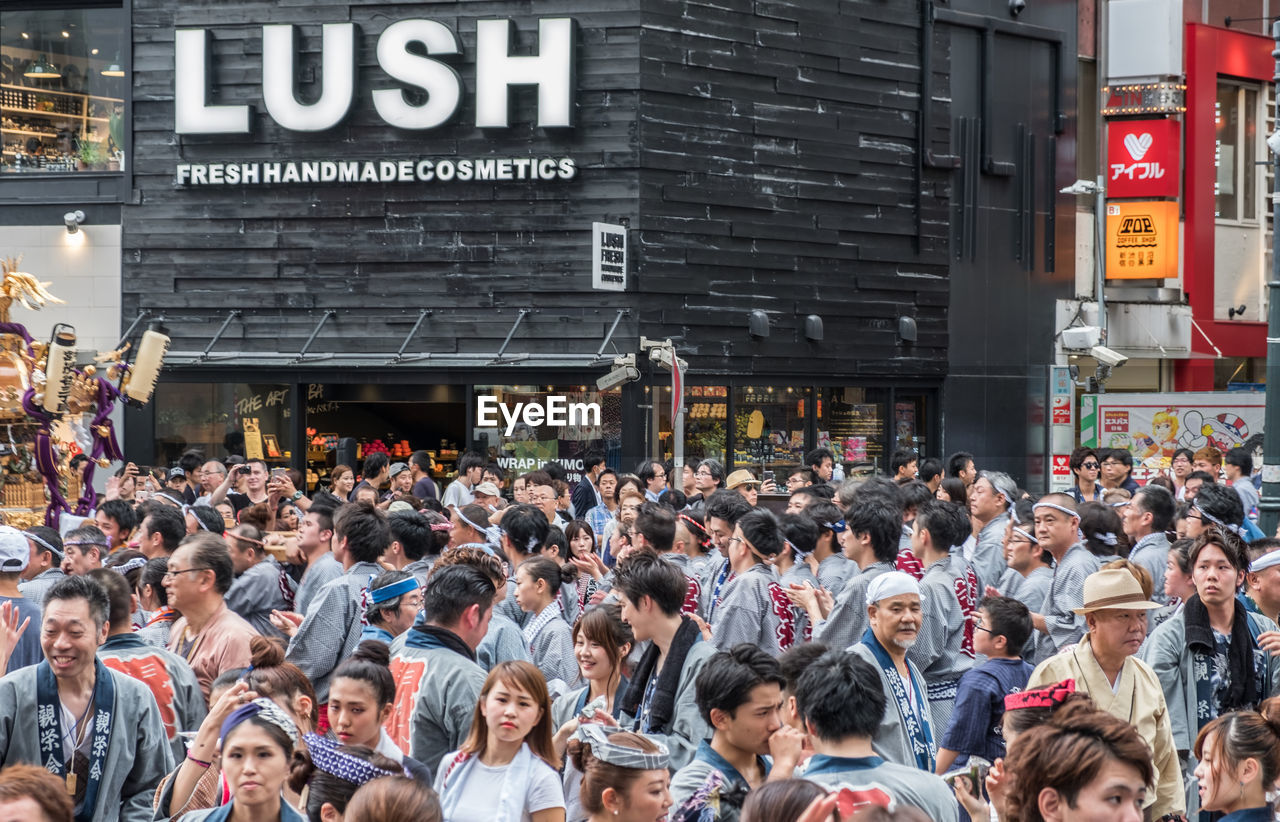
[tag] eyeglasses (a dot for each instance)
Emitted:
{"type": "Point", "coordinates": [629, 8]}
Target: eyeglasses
{"type": "Point", "coordinates": [977, 626]}
{"type": "Point", "coordinates": [171, 574]}
{"type": "Point", "coordinates": [702, 472]}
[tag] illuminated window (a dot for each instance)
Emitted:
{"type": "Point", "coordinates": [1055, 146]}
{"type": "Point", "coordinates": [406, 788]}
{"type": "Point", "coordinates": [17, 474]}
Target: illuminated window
{"type": "Point", "coordinates": [1236, 152]}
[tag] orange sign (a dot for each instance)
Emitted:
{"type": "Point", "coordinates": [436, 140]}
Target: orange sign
{"type": "Point", "coordinates": [1142, 240]}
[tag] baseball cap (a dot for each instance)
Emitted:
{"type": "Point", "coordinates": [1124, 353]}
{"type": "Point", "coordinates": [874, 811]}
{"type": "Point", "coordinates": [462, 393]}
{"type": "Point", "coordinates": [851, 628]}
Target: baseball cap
{"type": "Point", "coordinates": [488, 489]}
{"type": "Point", "coordinates": [398, 468]}
{"type": "Point", "coordinates": [177, 473]}
{"type": "Point", "coordinates": [15, 553]}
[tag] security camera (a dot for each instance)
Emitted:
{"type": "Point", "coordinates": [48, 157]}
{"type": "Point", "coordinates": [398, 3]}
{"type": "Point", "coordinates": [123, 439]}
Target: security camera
{"type": "Point", "coordinates": [1273, 142]}
{"type": "Point", "coordinates": [1016, 7]}
{"type": "Point", "coordinates": [72, 220]}
{"type": "Point", "coordinates": [1080, 187]}
{"type": "Point", "coordinates": [618, 376]}
{"type": "Point", "coordinates": [1104, 355]}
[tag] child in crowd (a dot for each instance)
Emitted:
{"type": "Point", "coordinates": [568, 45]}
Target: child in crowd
{"type": "Point", "coordinates": [508, 768]}
{"type": "Point", "coordinates": [1002, 628]}
{"type": "Point", "coordinates": [546, 633]}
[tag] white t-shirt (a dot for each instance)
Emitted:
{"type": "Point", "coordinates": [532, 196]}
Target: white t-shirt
{"type": "Point", "coordinates": [484, 784]}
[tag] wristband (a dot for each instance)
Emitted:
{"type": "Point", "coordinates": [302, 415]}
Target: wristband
{"type": "Point", "coordinates": [297, 495]}
{"type": "Point", "coordinates": [199, 762]}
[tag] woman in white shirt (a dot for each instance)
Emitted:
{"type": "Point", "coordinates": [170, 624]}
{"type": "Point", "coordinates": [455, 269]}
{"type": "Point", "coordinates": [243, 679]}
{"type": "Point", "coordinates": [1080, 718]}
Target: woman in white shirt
{"type": "Point", "coordinates": [507, 770]}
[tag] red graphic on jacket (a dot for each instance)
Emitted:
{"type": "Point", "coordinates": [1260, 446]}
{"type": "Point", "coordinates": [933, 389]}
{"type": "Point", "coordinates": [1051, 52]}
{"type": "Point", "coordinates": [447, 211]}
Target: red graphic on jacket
{"type": "Point", "coordinates": [407, 674]}
{"type": "Point", "coordinates": [967, 596]}
{"type": "Point", "coordinates": [781, 606]}
{"type": "Point", "coordinates": [150, 671]}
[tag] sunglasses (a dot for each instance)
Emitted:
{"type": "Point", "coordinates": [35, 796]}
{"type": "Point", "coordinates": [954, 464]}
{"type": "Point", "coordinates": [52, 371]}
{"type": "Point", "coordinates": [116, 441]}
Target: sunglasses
{"type": "Point", "coordinates": [1089, 465]}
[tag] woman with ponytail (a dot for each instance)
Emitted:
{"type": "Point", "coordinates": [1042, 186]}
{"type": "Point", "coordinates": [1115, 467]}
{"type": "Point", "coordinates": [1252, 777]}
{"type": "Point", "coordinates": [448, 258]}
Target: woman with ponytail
{"type": "Point", "coordinates": [547, 633]}
{"type": "Point", "coordinates": [361, 697]}
{"type": "Point", "coordinates": [1239, 757]}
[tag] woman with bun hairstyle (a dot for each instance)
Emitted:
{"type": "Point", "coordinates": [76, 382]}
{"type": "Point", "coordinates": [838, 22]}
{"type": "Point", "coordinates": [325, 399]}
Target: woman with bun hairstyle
{"type": "Point", "coordinates": [546, 633]}
{"type": "Point", "coordinates": [601, 643]}
{"type": "Point", "coordinates": [1081, 766]}
{"type": "Point", "coordinates": [1239, 757]}
{"type": "Point", "coordinates": [257, 743]}
{"type": "Point", "coordinates": [331, 773]}
{"type": "Point", "coordinates": [153, 598]}
{"type": "Point", "coordinates": [361, 697]}
{"type": "Point", "coordinates": [393, 799]}
{"type": "Point", "coordinates": [754, 607]}
{"type": "Point", "coordinates": [199, 781]}
{"type": "Point", "coordinates": [523, 530]}
{"type": "Point", "coordinates": [625, 776]}
{"type": "Point", "coordinates": [507, 769]}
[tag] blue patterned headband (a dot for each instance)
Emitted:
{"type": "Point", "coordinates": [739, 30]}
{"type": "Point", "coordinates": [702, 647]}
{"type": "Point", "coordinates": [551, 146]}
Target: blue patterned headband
{"type": "Point", "coordinates": [328, 756]}
{"type": "Point", "coordinates": [264, 708]}
{"type": "Point", "coordinates": [393, 590]}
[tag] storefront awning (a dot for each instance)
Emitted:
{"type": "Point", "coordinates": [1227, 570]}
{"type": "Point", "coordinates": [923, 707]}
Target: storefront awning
{"type": "Point", "coordinates": [304, 357]}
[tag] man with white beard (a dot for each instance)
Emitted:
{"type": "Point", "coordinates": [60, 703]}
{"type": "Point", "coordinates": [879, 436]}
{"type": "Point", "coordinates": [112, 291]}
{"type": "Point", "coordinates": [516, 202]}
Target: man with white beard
{"type": "Point", "coordinates": [905, 734]}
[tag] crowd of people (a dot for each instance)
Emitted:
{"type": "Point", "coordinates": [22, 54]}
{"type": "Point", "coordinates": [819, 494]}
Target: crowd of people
{"type": "Point", "coordinates": [219, 643]}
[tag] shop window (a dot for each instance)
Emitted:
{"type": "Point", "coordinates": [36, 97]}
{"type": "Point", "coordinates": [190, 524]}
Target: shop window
{"type": "Point", "coordinates": [536, 424]}
{"type": "Point", "coordinates": [246, 419]}
{"type": "Point", "coordinates": [769, 426]}
{"type": "Point", "coordinates": [1236, 123]}
{"type": "Point", "coordinates": [851, 422]}
{"type": "Point", "coordinates": [63, 85]}
{"type": "Point", "coordinates": [706, 423]}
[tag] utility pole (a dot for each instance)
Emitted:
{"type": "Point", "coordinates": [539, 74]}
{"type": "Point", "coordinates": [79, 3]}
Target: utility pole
{"type": "Point", "coordinates": [1269, 506]}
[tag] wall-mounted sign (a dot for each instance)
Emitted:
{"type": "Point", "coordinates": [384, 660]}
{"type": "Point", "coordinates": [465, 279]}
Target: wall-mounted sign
{"type": "Point", "coordinates": [1144, 98]}
{"type": "Point", "coordinates": [408, 51]}
{"type": "Point", "coordinates": [1142, 240]}
{"type": "Point", "coordinates": [338, 172]}
{"type": "Point", "coordinates": [608, 257]}
{"type": "Point", "coordinates": [1142, 158]}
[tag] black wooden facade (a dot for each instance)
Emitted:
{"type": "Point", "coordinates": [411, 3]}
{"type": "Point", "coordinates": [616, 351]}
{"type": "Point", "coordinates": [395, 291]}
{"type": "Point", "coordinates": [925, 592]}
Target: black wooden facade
{"type": "Point", "coordinates": [801, 157]}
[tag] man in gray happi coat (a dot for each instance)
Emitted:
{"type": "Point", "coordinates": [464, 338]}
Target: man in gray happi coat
{"type": "Point", "coordinates": [1058, 530]}
{"type": "Point", "coordinates": [97, 730]}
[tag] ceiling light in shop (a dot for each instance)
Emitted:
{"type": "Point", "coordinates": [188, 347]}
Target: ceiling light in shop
{"type": "Point", "coordinates": [95, 51]}
{"type": "Point", "coordinates": [26, 36]}
{"type": "Point", "coordinates": [66, 33]}
{"type": "Point", "coordinates": [42, 69]}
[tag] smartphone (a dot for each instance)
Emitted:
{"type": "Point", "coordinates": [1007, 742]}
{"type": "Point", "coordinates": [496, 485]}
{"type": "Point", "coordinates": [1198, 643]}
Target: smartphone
{"type": "Point", "coordinates": [279, 472]}
{"type": "Point", "coordinates": [768, 476]}
{"type": "Point", "coordinates": [971, 778]}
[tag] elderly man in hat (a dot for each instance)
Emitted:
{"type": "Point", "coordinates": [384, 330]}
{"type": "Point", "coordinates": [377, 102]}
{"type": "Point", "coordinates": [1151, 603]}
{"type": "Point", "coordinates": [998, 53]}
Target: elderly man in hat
{"type": "Point", "coordinates": [905, 734]}
{"type": "Point", "coordinates": [1103, 666]}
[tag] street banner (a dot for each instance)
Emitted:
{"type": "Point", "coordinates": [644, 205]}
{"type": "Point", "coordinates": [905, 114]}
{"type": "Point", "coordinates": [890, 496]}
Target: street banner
{"type": "Point", "coordinates": [1153, 426]}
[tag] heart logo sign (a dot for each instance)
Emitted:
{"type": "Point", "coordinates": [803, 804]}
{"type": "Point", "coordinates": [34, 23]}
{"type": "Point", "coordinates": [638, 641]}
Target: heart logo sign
{"type": "Point", "coordinates": [1138, 146]}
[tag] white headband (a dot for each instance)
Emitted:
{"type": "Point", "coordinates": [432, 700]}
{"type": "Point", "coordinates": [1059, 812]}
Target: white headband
{"type": "Point", "coordinates": [1064, 509]}
{"type": "Point", "coordinates": [892, 584]}
{"type": "Point", "coordinates": [1268, 560]}
{"type": "Point", "coordinates": [1027, 535]}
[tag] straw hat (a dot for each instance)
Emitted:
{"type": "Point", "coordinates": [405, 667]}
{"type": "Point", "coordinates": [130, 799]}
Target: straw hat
{"type": "Point", "coordinates": [741, 477]}
{"type": "Point", "coordinates": [1114, 588]}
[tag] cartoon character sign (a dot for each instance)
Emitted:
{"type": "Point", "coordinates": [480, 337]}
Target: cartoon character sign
{"type": "Point", "coordinates": [1224, 431]}
{"type": "Point", "coordinates": [1156, 449]}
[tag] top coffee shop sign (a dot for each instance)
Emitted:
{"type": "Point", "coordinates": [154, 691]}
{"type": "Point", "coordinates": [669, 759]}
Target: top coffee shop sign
{"type": "Point", "coordinates": [408, 51]}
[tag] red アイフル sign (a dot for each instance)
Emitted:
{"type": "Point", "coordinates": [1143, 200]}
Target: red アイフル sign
{"type": "Point", "coordinates": [1142, 158]}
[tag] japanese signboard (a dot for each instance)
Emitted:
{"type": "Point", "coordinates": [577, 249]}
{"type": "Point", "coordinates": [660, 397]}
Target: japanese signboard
{"type": "Point", "coordinates": [1142, 240]}
{"type": "Point", "coordinates": [1142, 158]}
{"type": "Point", "coordinates": [1154, 426]}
